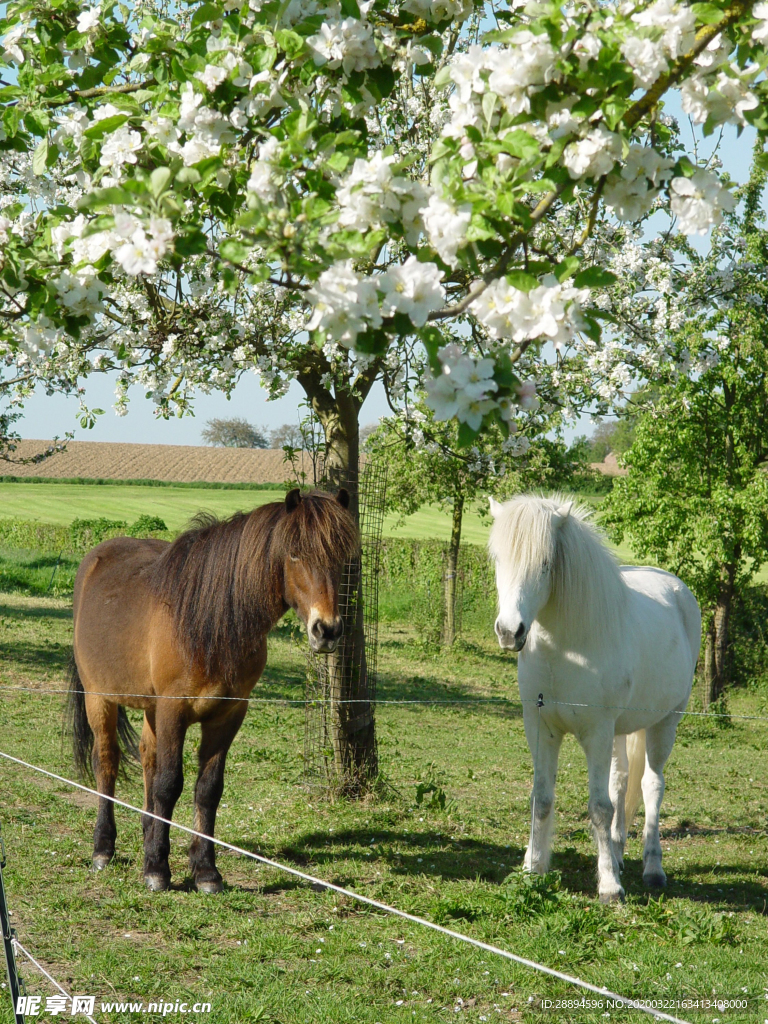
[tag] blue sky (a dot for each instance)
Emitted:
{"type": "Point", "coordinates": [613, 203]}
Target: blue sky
{"type": "Point", "coordinates": [49, 416]}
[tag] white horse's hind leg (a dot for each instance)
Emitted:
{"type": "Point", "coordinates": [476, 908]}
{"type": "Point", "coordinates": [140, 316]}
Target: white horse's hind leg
{"type": "Point", "coordinates": [659, 740]}
{"type": "Point", "coordinates": [539, 848]}
{"type": "Point", "coordinates": [598, 747]}
{"type": "Point", "coordinates": [617, 790]}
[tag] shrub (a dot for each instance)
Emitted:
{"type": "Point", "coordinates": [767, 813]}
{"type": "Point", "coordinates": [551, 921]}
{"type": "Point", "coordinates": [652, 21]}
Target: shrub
{"type": "Point", "coordinates": [147, 525]}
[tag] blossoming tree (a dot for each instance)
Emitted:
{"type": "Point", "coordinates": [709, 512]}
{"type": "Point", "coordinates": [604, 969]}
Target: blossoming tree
{"type": "Point", "coordinates": [311, 188]}
{"type": "Point", "coordinates": [696, 494]}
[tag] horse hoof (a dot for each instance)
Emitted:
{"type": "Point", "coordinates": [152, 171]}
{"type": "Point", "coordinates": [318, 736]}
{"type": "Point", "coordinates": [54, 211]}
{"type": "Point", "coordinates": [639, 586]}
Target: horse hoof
{"type": "Point", "coordinates": [612, 897]}
{"type": "Point", "coordinates": [157, 883]}
{"type": "Point", "coordinates": [655, 880]}
{"type": "Point", "coordinates": [211, 887]}
{"type": "Point", "coordinates": [100, 861]}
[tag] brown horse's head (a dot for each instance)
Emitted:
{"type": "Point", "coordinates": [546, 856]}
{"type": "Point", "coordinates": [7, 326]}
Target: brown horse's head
{"type": "Point", "coordinates": [315, 539]}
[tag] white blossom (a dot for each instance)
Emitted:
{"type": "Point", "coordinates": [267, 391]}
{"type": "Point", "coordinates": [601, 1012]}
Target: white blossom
{"type": "Point", "coordinates": [414, 289]}
{"type": "Point", "coordinates": [464, 389]}
{"type": "Point", "coordinates": [646, 58]}
{"type": "Point", "coordinates": [593, 155]}
{"type": "Point", "coordinates": [348, 44]}
{"type": "Point", "coordinates": [345, 304]}
{"type": "Point", "coordinates": [760, 30]}
{"type": "Point", "coordinates": [212, 76]}
{"type": "Point", "coordinates": [699, 201]}
{"type": "Point", "coordinates": [88, 20]}
{"type": "Point", "coordinates": [549, 311]}
{"type": "Point", "coordinates": [446, 227]}
{"type": "Point", "coordinates": [120, 147]}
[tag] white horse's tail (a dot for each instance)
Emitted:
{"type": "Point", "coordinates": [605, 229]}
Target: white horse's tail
{"type": "Point", "coordinates": [636, 758]}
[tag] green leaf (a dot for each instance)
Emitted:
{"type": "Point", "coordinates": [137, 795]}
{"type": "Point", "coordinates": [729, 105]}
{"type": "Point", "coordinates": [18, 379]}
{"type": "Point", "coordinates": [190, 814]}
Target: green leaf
{"type": "Point", "coordinates": [443, 77]}
{"type": "Point", "coordinates": [105, 197]}
{"type": "Point", "coordinates": [522, 281]}
{"type": "Point", "coordinates": [11, 121]}
{"type": "Point", "coordinates": [594, 277]}
{"type": "Point", "coordinates": [432, 340]}
{"type": "Point", "coordinates": [37, 121]}
{"type": "Point", "coordinates": [206, 12]}
{"type": "Point", "coordinates": [466, 435]}
{"type": "Point", "coordinates": [159, 180]}
{"type": "Point", "coordinates": [234, 251]}
{"type": "Point", "coordinates": [567, 268]}
{"type": "Point", "coordinates": [188, 176]}
{"type": "Point", "coordinates": [520, 144]}
{"type": "Point", "coordinates": [40, 158]}
{"type": "Point", "coordinates": [490, 101]}
{"type": "Point", "coordinates": [107, 124]}
{"type": "Point", "coordinates": [290, 42]}
{"type": "Point", "coordinates": [707, 14]}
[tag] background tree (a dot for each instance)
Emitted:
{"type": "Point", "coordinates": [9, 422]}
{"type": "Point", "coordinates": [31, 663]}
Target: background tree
{"type": "Point", "coordinates": [288, 434]}
{"type": "Point", "coordinates": [426, 465]}
{"type": "Point", "coordinates": [611, 436]}
{"type": "Point", "coordinates": [233, 433]}
{"type": "Point", "coordinates": [696, 495]}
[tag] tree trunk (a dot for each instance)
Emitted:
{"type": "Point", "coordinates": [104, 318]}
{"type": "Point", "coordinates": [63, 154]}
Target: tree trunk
{"type": "Point", "coordinates": [352, 729]}
{"type": "Point", "coordinates": [717, 655]}
{"type": "Point", "coordinates": [451, 571]}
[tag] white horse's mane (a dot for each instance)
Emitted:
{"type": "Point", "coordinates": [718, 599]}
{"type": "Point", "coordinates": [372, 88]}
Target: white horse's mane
{"type": "Point", "coordinates": [587, 587]}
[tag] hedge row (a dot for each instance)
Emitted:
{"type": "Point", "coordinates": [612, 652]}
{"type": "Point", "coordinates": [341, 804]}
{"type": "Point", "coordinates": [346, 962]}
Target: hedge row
{"type": "Point", "coordinates": [412, 564]}
{"type": "Point", "coordinates": [78, 537]}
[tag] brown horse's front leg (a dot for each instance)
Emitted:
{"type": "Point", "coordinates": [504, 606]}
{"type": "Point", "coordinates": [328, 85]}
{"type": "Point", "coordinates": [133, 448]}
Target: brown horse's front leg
{"type": "Point", "coordinates": [105, 758]}
{"type": "Point", "coordinates": [168, 783]}
{"type": "Point", "coordinates": [148, 752]}
{"type": "Point", "coordinates": [216, 739]}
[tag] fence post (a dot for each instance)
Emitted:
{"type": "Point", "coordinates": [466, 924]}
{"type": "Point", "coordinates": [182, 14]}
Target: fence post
{"type": "Point", "coordinates": [5, 926]}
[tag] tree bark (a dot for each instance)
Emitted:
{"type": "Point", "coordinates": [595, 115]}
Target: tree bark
{"type": "Point", "coordinates": [717, 655]}
{"type": "Point", "coordinates": [451, 571]}
{"type": "Point", "coordinates": [352, 728]}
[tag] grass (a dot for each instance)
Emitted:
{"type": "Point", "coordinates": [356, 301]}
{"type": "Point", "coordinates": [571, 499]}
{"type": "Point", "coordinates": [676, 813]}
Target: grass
{"type": "Point", "coordinates": [272, 949]}
{"type": "Point", "coordinates": [60, 503]}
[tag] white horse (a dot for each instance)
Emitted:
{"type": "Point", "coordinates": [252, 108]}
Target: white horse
{"type": "Point", "coordinates": [613, 651]}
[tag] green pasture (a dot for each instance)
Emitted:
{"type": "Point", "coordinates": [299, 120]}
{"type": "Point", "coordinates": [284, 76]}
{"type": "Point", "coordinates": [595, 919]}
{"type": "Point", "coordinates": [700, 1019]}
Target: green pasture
{"type": "Point", "coordinates": [443, 838]}
{"type": "Point", "coordinates": [61, 503]}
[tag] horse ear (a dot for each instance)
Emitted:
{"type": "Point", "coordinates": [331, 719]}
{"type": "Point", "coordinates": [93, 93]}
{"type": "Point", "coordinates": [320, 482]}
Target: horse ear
{"type": "Point", "coordinates": [563, 512]}
{"type": "Point", "coordinates": [343, 497]}
{"type": "Point", "coordinates": [292, 499]}
{"type": "Point", "coordinates": [496, 507]}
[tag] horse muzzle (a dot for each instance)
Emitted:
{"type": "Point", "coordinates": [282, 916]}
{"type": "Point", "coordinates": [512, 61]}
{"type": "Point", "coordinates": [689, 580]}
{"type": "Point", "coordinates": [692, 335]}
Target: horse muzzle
{"type": "Point", "coordinates": [323, 636]}
{"type": "Point", "coordinates": [509, 641]}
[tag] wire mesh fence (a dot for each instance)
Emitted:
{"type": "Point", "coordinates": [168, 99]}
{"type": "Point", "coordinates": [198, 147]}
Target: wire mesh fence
{"type": "Point", "coordinates": [339, 731]}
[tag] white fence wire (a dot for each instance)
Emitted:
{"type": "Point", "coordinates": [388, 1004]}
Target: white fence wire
{"type": "Point", "coordinates": [376, 904]}
{"type": "Point", "coordinates": [45, 973]}
{"type": "Point", "coordinates": [500, 701]}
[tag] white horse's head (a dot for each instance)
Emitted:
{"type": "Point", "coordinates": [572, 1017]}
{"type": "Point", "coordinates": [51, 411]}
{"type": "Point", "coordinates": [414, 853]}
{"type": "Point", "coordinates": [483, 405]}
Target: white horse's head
{"type": "Point", "coordinates": [524, 546]}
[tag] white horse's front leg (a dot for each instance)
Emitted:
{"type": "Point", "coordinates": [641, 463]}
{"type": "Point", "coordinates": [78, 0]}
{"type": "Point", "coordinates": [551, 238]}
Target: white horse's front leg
{"type": "Point", "coordinates": [617, 790]}
{"type": "Point", "coordinates": [659, 740]}
{"type": "Point", "coordinates": [545, 747]}
{"type": "Point", "coordinates": [598, 747]}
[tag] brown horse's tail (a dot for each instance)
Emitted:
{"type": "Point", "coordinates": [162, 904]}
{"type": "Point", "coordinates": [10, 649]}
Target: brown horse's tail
{"type": "Point", "coordinates": [79, 728]}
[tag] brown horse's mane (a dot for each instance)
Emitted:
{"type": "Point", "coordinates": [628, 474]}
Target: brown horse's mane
{"type": "Point", "coordinates": [222, 579]}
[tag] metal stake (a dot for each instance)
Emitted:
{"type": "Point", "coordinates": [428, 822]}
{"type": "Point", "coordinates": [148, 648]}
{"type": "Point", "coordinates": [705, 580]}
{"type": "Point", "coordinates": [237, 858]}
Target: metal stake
{"type": "Point", "coordinates": [14, 981]}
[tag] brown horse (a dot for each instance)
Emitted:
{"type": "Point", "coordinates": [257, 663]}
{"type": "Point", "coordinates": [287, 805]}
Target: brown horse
{"type": "Point", "coordinates": [189, 620]}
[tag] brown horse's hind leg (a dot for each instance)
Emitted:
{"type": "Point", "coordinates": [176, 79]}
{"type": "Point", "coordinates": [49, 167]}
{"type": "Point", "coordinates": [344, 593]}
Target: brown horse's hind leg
{"type": "Point", "coordinates": [216, 739]}
{"type": "Point", "coordinates": [148, 752]}
{"type": "Point", "coordinates": [102, 718]}
{"type": "Point", "coordinates": [166, 789]}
